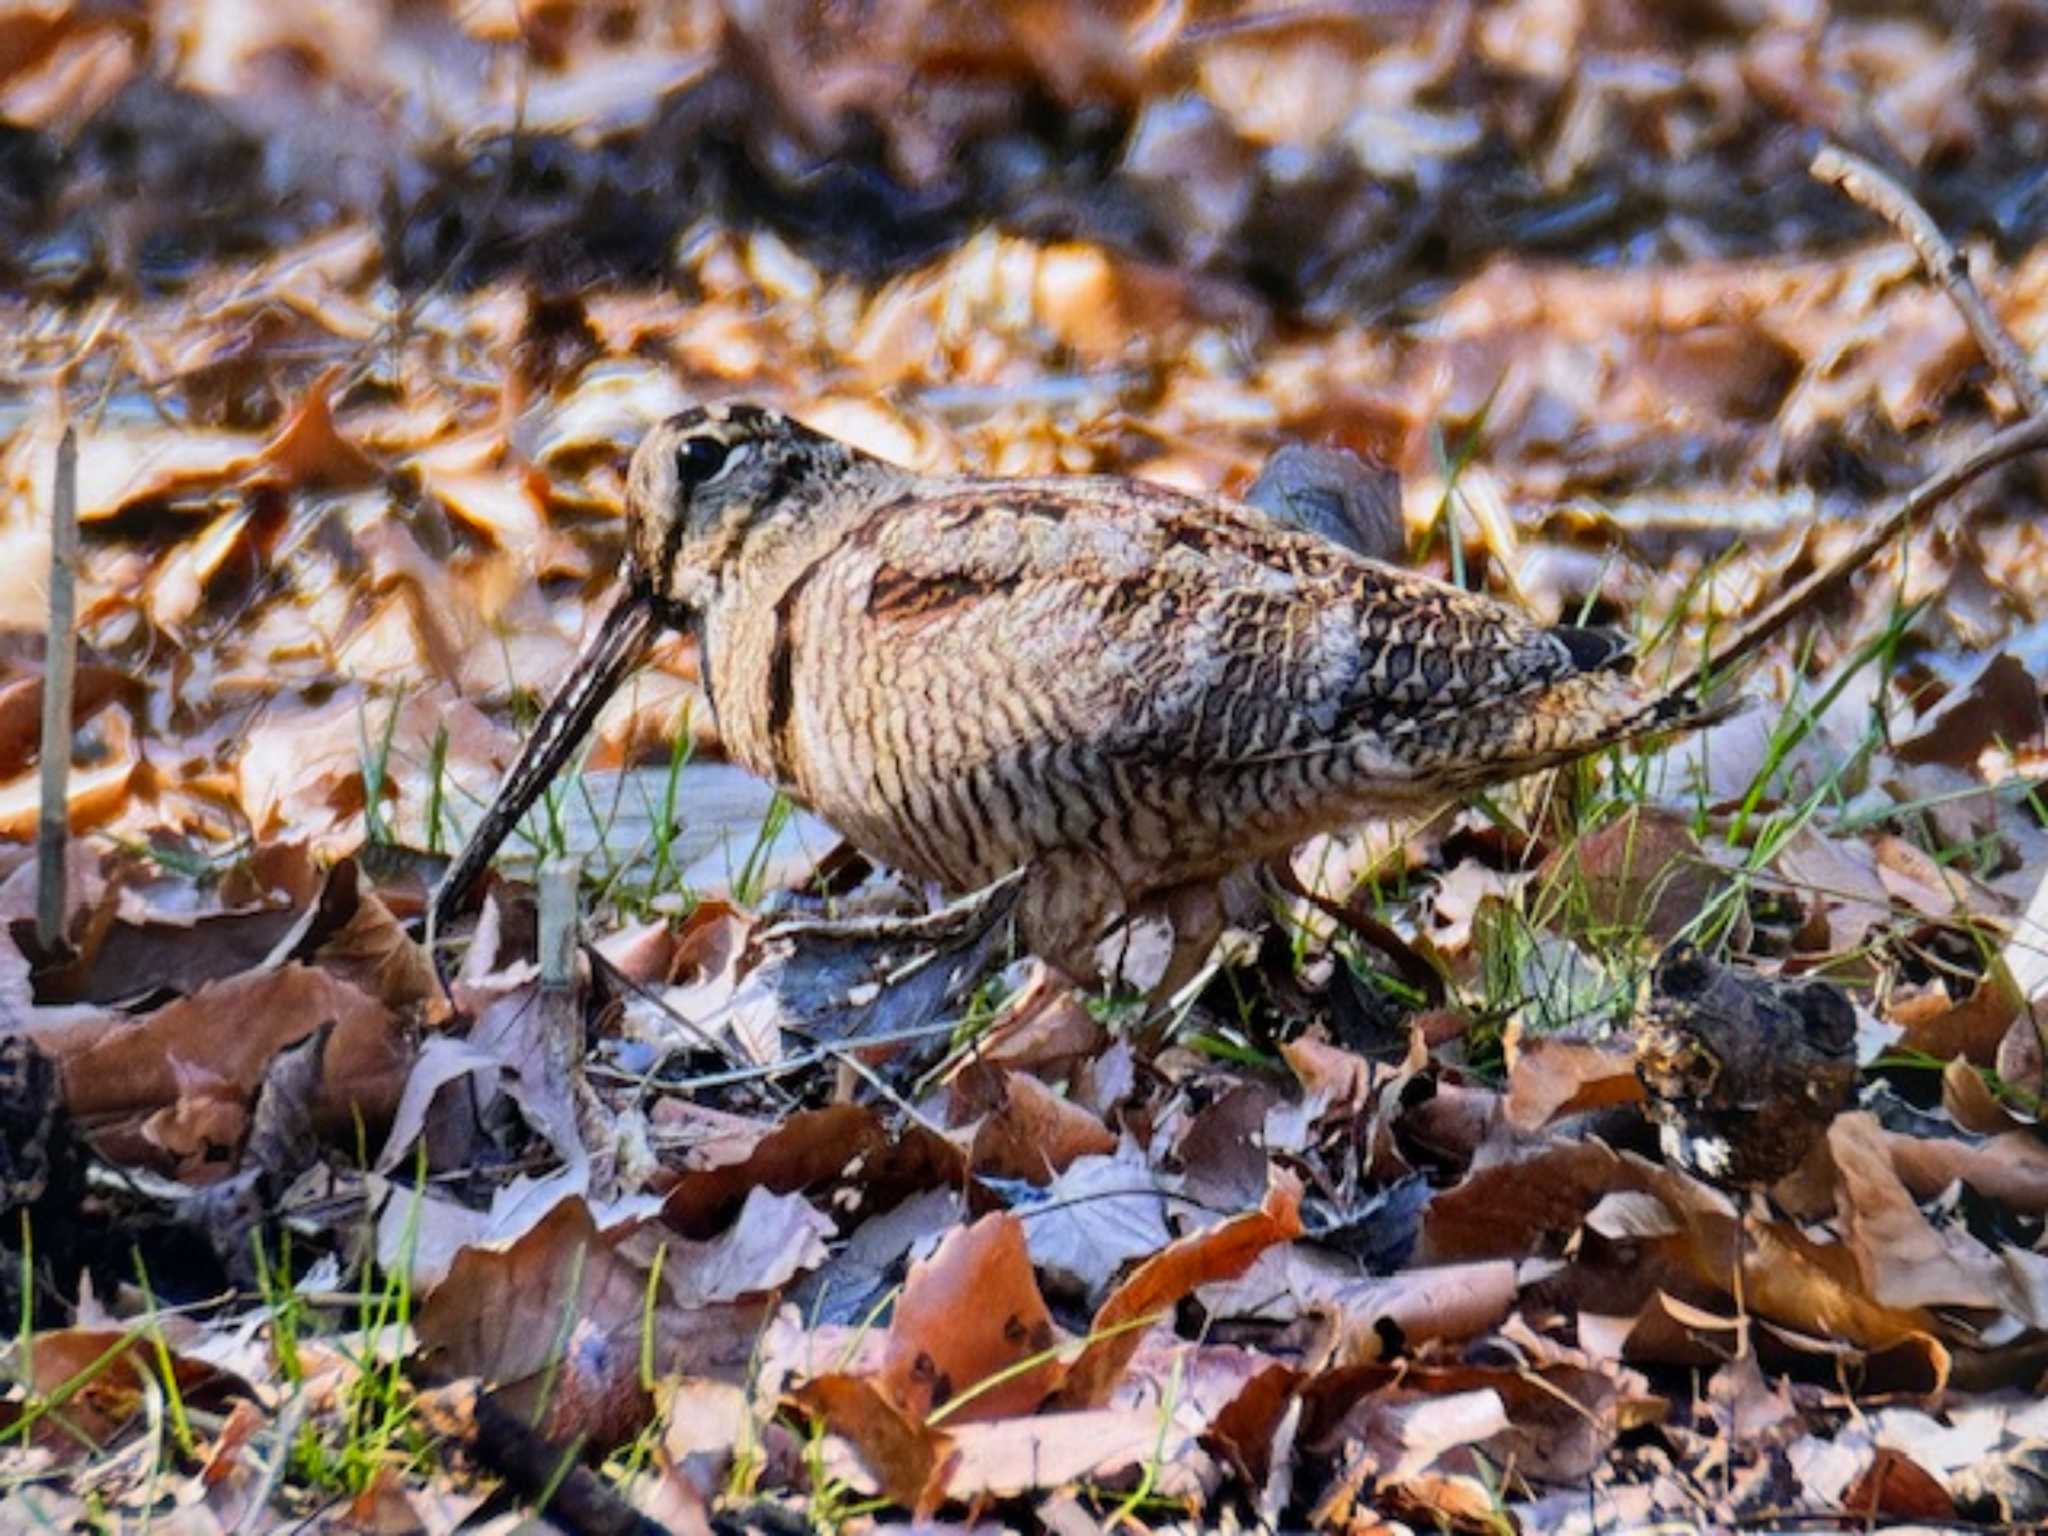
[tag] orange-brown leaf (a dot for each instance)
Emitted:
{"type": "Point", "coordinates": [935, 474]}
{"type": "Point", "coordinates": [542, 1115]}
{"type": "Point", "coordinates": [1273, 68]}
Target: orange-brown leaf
{"type": "Point", "coordinates": [1221, 1252]}
{"type": "Point", "coordinates": [967, 1313]}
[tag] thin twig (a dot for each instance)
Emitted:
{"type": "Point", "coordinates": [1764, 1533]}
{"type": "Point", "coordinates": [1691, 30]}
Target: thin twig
{"type": "Point", "coordinates": [1858, 179]}
{"type": "Point", "coordinates": [53, 822]}
{"type": "Point", "coordinates": [1865, 183]}
{"type": "Point", "coordinates": [616, 978]}
{"type": "Point", "coordinates": [576, 1500]}
{"type": "Point", "coordinates": [2022, 437]}
{"type": "Point", "coordinates": [800, 1062]}
{"type": "Point", "coordinates": [876, 1081]}
{"type": "Point", "coordinates": [1415, 971]}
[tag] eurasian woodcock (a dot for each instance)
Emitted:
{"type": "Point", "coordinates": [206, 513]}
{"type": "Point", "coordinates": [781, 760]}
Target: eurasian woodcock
{"type": "Point", "coordinates": [1126, 690]}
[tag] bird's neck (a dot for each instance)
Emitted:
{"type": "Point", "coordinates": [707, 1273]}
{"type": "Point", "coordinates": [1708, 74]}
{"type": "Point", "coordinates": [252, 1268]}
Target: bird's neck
{"type": "Point", "coordinates": [753, 635]}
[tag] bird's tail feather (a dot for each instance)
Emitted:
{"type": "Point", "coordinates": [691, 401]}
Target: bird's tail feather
{"type": "Point", "coordinates": [1581, 715]}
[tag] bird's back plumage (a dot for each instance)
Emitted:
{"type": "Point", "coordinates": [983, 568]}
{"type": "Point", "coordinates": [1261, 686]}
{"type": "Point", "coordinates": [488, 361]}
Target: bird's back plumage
{"type": "Point", "coordinates": [964, 674]}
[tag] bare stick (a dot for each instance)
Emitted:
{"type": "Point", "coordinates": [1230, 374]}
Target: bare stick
{"type": "Point", "coordinates": [2022, 437]}
{"type": "Point", "coordinates": [573, 1497]}
{"type": "Point", "coordinates": [560, 882]}
{"type": "Point", "coordinates": [1415, 970]}
{"type": "Point", "coordinates": [1866, 184]}
{"type": "Point", "coordinates": [53, 825]}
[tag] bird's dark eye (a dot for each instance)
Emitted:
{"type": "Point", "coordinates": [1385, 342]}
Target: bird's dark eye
{"type": "Point", "coordinates": [697, 460]}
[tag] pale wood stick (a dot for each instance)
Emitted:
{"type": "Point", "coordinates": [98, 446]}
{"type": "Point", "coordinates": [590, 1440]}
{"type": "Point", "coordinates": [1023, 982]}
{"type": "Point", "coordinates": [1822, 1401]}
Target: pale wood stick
{"type": "Point", "coordinates": [561, 882]}
{"type": "Point", "coordinates": [53, 824]}
{"type": "Point", "coordinates": [1866, 184]}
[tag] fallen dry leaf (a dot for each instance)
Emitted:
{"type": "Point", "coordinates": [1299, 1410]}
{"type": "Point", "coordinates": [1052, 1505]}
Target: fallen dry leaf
{"type": "Point", "coordinates": [229, 1031]}
{"type": "Point", "coordinates": [1643, 872]}
{"type": "Point", "coordinates": [1549, 1076]}
{"type": "Point", "coordinates": [109, 1375]}
{"type": "Point", "coordinates": [1555, 1423]}
{"type": "Point", "coordinates": [551, 1318]}
{"type": "Point", "coordinates": [309, 450]}
{"type": "Point", "coordinates": [1895, 1487]}
{"type": "Point", "coordinates": [21, 707]}
{"type": "Point", "coordinates": [1518, 1207]}
{"type": "Point", "coordinates": [2011, 1169]}
{"type": "Point", "coordinates": [911, 1463]}
{"type": "Point", "coordinates": [1005, 1458]}
{"type": "Point", "coordinates": [1971, 1029]}
{"type": "Point", "coordinates": [811, 1152]}
{"type": "Point", "coordinates": [1787, 1277]}
{"type": "Point", "coordinates": [2000, 703]}
{"type": "Point", "coordinates": [1044, 1029]}
{"type": "Point", "coordinates": [1098, 1215]}
{"type": "Point", "coordinates": [352, 934]}
{"type": "Point", "coordinates": [1905, 1260]}
{"type": "Point", "coordinates": [1033, 1134]}
{"type": "Point", "coordinates": [97, 790]}
{"type": "Point", "coordinates": [1331, 1078]}
{"type": "Point", "coordinates": [968, 1315]}
{"type": "Point", "coordinates": [1218, 1253]}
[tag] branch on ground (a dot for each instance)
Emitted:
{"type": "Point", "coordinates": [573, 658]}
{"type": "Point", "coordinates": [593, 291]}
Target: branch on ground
{"type": "Point", "coordinates": [53, 824]}
{"type": "Point", "coordinates": [1871, 187]}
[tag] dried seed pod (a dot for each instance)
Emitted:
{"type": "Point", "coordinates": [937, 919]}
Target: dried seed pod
{"type": "Point", "coordinates": [1745, 1073]}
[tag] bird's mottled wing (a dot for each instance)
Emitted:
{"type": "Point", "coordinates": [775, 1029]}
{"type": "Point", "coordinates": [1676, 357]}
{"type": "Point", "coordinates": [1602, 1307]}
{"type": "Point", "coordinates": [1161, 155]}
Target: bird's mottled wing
{"type": "Point", "coordinates": [1138, 620]}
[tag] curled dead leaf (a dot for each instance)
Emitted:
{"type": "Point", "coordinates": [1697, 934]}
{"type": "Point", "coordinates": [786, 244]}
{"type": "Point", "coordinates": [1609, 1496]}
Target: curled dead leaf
{"type": "Point", "coordinates": [309, 449]}
{"type": "Point", "coordinates": [2010, 1169]}
{"type": "Point", "coordinates": [1786, 1276]}
{"type": "Point", "coordinates": [229, 1030]}
{"type": "Point", "coordinates": [1555, 1422]}
{"type": "Point", "coordinates": [1549, 1077]}
{"type": "Point", "coordinates": [21, 706]}
{"type": "Point", "coordinates": [105, 1376]}
{"type": "Point", "coordinates": [1904, 1260]}
{"type": "Point", "coordinates": [99, 786]}
{"type": "Point", "coordinates": [1896, 1487]}
{"type": "Point", "coordinates": [1971, 1029]}
{"type": "Point", "coordinates": [350, 933]}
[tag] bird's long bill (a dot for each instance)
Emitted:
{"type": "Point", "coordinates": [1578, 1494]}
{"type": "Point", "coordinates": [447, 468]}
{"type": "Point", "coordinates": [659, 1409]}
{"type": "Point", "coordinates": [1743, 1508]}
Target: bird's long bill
{"type": "Point", "coordinates": [612, 653]}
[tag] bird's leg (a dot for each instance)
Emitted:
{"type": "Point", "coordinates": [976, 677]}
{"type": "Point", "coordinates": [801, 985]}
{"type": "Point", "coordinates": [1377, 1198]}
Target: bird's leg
{"type": "Point", "coordinates": [838, 874]}
{"type": "Point", "coordinates": [1195, 913]}
{"type": "Point", "coordinates": [1070, 898]}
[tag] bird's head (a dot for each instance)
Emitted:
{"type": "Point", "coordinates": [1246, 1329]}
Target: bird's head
{"type": "Point", "coordinates": [721, 485]}
{"type": "Point", "coordinates": [709, 490]}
